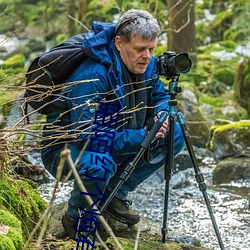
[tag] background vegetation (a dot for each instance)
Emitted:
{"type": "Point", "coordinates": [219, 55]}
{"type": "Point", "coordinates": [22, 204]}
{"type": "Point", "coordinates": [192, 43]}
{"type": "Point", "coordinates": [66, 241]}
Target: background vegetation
{"type": "Point", "coordinates": [214, 33]}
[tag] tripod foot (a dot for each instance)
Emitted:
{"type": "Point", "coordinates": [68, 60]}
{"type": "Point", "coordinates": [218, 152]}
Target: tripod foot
{"type": "Point", "coordinates": [164, 232]}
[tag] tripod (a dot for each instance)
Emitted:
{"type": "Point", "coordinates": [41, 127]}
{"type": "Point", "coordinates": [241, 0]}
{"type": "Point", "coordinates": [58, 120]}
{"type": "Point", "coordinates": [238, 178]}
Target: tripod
{"type": "Point", "coordinates": [169, 163]}
{"type": "Point", "coordinates": [173, 90]}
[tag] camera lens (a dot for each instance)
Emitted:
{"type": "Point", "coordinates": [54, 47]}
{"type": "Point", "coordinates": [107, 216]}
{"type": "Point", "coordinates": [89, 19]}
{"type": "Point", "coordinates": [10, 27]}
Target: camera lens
{"type": "Point", "coordinates": [182, 63]}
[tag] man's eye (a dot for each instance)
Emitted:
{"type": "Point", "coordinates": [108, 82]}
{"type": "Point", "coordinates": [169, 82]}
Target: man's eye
{"type": "Point", "coordinates": [139, 50]}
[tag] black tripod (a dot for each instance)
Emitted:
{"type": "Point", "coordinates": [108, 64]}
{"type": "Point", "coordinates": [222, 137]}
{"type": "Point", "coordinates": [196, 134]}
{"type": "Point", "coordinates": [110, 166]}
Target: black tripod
{"type": "Point", "coordinates": [173, 90]}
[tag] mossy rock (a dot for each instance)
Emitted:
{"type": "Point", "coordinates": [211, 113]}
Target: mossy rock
{"type": "Point", "coordinates": [22, 200]}
{"type": "Point", "coordinates": [11, 237]}
{"type": "Point", "coordinates": [128, 244]}
{"type": "Point", "coordinates": [231, 139]}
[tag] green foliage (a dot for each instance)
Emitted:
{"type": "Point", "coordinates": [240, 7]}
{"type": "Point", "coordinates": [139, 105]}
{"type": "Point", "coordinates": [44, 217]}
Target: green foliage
{"type": "Point", "coordinates": [242, 84]}
{"type": "Point", "coordinates": [12, 67]}
{"type": "Point", "coordinates": [17, 61]}
{"type": "Point", "coordinates": [229, 22]}
{"type": "Point", "coordinates": [224, 75]}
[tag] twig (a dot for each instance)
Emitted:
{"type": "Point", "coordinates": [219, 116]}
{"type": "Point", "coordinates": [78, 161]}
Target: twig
{"type": "Point", "coordinates": [137, 236]}
{"type": "Point", "coordinates": [77, 21]}
{"type": "Point", "coordinates": [45, 217]}
{"type": "Point", "coordinates": [101, 241]}
{"type": "Point", "coordinates": [66, 154]}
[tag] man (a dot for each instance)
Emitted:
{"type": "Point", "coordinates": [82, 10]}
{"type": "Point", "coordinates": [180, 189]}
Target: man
{"type": "Point", "coordinates": [125, 85]}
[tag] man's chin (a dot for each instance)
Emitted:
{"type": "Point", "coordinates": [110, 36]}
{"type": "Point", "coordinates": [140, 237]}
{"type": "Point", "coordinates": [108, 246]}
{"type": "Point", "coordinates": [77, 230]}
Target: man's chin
{"type": "Point", "coordinates": [139, 71]}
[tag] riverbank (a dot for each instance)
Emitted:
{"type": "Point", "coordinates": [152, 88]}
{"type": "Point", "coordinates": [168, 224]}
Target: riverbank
{"type": "Point", "coordinates": [188, 216]}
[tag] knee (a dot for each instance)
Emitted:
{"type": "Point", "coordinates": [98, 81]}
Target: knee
{"type": "Point", "coordinates": [97, 166]}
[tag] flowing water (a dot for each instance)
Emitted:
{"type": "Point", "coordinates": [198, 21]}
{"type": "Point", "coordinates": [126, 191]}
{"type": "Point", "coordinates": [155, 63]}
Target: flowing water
{"type": "Point", "coordinates": [187, 212]}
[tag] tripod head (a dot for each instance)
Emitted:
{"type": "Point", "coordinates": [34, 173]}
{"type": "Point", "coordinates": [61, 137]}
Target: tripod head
{"type": "Point", "coordinates": [174, 89]}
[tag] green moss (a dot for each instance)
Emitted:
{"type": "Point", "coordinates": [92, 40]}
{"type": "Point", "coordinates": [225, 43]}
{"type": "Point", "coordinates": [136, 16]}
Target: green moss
{"type": "Point", "coordinates": [6, 243]}
{"type": "Point", "coordinates": [212, 100]}
{"type": "Point", "coordinates": [9, 219]}
{"type": "Point", "coordinates": [239, 128]}
{"type": "Point", "coordinates": [22, 200]}
{"type": "Point", "coordinates": [225, 75]}
{"type": "Point", "coordinates": [14, 236]}
{"type": "Point", "coordinates": [235, 125]}
{"type": "Point", "coordinates": [228, 45]}
{"type": "Point", "coordinates": [128, 244]}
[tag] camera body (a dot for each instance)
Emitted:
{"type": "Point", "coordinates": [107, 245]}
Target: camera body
{"type": "Point", "coordinates": [171, 65]}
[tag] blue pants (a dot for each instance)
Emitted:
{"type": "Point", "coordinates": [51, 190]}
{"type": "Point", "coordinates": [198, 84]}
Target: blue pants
{"type": "Point", "coordinates": [101, 171]}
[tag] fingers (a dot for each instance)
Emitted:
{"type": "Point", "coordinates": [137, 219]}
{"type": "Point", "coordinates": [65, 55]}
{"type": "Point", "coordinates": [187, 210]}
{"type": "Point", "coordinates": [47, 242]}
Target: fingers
{"type": "Point", "coordinates": [163, 130]}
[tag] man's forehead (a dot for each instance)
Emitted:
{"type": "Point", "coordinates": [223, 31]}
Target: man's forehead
{"type": "Point", "coordinates": [137, 40]}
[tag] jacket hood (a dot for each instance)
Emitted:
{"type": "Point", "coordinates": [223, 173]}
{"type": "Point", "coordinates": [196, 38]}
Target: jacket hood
{"type": "Point", "coordinates": [98, 43]}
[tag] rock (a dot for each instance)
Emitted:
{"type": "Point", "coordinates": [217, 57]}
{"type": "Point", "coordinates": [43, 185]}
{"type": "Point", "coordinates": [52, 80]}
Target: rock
{"type": "Point", "coordinates": [181, 179]}
{"type": "Point", "coordinates": [149, 237]}
{"type": "Point", "coordinates": [197, 125]}
{"type": "Point", "coordinates": [231, 169]}
{"type": "Point", "coordinates": [232, 139]}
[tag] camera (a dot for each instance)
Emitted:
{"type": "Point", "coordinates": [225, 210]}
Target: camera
{"type": "Point", "coordinates": [171, 65]}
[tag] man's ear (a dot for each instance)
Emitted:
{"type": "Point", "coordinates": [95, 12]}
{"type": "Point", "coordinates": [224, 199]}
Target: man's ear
{"type": "Point", "coordinates": [118, 43]}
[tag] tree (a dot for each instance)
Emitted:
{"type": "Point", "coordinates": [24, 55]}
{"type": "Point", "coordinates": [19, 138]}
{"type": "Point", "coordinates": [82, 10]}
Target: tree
{"type": "Point", "coordinates": [181, 27]}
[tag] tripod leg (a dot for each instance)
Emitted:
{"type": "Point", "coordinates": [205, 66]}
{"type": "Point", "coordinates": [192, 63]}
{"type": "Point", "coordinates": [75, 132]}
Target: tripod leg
{"type": "Point", "coordinates": [199, 176]}
{"type": "Point", "coordinates": [168, 173]}
{"type": "Point", "coordinates": [131, 166]}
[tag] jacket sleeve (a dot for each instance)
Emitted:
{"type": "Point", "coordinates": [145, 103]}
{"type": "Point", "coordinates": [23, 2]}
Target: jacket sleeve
{"type": "Point", "coordinates": [82, 99]}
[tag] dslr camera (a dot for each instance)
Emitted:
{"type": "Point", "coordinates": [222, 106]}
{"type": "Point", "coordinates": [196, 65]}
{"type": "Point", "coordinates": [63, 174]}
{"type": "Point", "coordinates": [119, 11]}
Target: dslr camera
{"type": "Point", "coordinates": [171, 65]}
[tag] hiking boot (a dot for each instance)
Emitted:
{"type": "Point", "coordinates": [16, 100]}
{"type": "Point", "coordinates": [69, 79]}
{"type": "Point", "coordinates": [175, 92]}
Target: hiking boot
{"type": "Point", "coordinates": [121, 211]}
{"type": "Point", "coordinates": [69, 226]}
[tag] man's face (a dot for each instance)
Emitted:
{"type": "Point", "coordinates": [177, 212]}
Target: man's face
{"type": "Point", "coordinates": [137, 53]}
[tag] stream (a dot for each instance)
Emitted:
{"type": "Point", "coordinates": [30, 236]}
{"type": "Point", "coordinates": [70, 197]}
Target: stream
{"type": "Point", "coordinates": [187, 212]}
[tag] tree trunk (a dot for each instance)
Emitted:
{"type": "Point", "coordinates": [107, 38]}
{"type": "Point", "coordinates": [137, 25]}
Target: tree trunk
{"type": "Point", "coordinates": [181, 27]}
{"type": "Point", "coordinates": [72, 13]}
{"type": "Point", "coordinates": [83, 7]}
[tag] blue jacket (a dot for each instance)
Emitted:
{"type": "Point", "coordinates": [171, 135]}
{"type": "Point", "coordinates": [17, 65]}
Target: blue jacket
{"type": "Point", "coordinates": [103, 68]}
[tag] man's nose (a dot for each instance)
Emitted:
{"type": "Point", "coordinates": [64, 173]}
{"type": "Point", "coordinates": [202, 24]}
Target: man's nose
{"type": "Point", "coordinates": [146, 54]}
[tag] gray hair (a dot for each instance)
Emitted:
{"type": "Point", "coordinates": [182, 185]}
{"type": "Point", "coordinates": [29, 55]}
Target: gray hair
{"type": "Point", "coordinates": [137, 22]}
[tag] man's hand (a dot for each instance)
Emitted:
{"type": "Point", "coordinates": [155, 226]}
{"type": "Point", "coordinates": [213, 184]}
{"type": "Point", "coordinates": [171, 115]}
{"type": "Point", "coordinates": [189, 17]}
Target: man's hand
{"type": "Point", "coordinates": [164, 128]}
